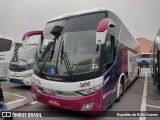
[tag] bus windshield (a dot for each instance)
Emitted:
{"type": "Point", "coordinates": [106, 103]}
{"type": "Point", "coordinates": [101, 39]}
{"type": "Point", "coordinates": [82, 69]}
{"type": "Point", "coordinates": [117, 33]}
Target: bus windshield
{"type": "Point", "coordinates": [77, 41]}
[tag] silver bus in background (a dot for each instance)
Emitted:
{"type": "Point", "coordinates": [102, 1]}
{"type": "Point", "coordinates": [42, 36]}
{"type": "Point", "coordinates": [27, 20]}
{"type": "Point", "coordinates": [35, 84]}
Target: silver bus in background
{"type": "Point", "coordinates": [21, 65]}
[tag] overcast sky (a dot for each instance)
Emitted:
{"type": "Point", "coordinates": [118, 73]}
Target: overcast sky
{"type": "Point", "coordinates": [141, 17]}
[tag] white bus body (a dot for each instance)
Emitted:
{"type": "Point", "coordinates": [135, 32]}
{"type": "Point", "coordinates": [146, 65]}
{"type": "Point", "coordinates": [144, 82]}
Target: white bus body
{"type": "Point", "coordinates": [6, 53]}
{"type": "Point", "coordinates": [21, 67]}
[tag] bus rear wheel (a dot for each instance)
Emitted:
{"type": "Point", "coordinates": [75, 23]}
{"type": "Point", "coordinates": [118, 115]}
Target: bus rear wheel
{"type": "Point", "coordinates": [137, 77]}
{"type": "Point", "coordinates": [120, 90]}
{"type": "Point", "coordinates": [158, 86]}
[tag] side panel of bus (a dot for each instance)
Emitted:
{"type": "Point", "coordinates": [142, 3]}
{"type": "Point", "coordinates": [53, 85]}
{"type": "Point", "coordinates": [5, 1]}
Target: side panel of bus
{"type": "Point", "coordinates": [153, 61]}
{"type": "Point", "coordinates": [155, 50]}
{"type": "Point", "coordinates": [113, 69]}
{"type": "Point", "coordinates": [132, 47]}
{"type": "Point", "coordinates": [6, 53]}
{"type": "Point", "coordinates": [124, 65]}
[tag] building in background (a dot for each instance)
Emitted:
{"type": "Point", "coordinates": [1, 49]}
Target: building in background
{"type": "Point", "coordinates": [145, 45]}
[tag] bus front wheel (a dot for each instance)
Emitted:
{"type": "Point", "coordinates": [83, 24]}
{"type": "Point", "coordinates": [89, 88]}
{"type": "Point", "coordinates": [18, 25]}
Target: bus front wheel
{"type": "Point", "coordinates": [120, 90]}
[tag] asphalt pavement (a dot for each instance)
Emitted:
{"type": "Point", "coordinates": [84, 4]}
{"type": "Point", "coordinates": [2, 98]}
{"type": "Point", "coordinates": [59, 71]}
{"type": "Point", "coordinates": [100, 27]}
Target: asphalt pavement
{"type": "Point", "coordinates": [142, 95]}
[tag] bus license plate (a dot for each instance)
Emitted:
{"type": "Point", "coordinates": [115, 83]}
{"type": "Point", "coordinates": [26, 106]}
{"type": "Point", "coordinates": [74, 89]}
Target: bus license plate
{"type": "Point", "coordinates": [54, 102]}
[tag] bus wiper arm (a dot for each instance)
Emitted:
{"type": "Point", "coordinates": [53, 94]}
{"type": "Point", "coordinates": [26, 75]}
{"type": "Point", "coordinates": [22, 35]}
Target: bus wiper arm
{"type": "Point", "coordinates": [15, 57]}
{"type": "Point", "coordinates": [25, 61]}
{"type": "Point", "coordinates": [48, 52]}
{"type": "Point", "coordinates": [64, 56]}
{"type": "Point", "coordinates": [68, 65]}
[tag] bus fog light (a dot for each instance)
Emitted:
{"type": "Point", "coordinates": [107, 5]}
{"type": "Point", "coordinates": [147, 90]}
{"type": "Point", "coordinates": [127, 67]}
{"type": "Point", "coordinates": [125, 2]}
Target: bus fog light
{"type": "Point", "coordinates": [89, 91]}
{"type": "Point", "coordinates": [96, 88]}
{"type": "Point", "coordinates": [87, 106]}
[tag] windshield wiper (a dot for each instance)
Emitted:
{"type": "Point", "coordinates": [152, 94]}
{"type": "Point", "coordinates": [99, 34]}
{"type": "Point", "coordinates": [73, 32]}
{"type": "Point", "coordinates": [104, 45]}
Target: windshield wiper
{"type": "Point", "coordinates": [15, 57]}
{"type": "Point", "coordinates": [47, 54]}
{"type": "Point", "coordinates": [64, 56]}
{"type": "Point", "coordinates": [56, 32]}
{"type": "Point", "coordinates": [25, 61]}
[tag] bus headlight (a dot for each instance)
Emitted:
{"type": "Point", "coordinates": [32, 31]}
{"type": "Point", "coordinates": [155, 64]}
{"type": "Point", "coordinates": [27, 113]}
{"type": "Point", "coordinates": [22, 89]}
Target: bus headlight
{"type": "Point", "coordinates": [27, 75]}
{"type": "Point", "coordinates": [89, 90]}
{"type": "Point", "coordinates": [13, 63]}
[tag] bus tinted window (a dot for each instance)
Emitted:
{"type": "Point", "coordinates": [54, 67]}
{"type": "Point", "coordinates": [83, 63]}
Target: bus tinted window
{"type": "Point", "coordinates": [5, 45]}
{"type": "Point", "coordinates": [108, 53]}
{"type": "Point", "coordinates": [145, 55]}
{"type": "Point", "coordinates": [84, 23]}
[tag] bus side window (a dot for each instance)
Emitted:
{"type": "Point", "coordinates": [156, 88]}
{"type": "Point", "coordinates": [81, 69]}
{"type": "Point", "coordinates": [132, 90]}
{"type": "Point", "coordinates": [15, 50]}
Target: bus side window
{"type": "Point", "coordinates": [109, 51]}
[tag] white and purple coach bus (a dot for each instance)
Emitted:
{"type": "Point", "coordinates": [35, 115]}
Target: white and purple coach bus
{"type": "Point", "coordinates": [85, 61]}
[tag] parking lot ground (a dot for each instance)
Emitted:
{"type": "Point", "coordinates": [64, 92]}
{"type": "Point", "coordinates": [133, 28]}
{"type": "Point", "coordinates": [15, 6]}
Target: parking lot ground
{"type": "Point", "coordinates": [131, 101]}
{"type": "Point", "coordinates": [142, 95]}
{"type": "Point", "coordinates": [153, 98]}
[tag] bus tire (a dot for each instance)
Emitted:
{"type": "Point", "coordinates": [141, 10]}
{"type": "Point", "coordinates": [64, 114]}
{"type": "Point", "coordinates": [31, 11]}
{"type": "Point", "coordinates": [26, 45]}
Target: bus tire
{"type": "Point", "coordinates": [158, 86]}
{"type": "Point", "coordinates": [120, 89]}
{"type": "Point", "coordinates": [152, 75]}
{"type": "Point", "coordinates": [137, 77]}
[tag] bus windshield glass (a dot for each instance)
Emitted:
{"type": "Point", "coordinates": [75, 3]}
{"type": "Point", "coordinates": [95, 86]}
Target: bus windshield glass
{"type": "Point", "coordinates": [70, 43]}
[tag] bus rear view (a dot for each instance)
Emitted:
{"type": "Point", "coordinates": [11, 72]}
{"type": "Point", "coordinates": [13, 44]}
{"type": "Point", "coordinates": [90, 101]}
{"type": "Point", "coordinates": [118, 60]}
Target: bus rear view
{"type": "Point", "coordinates": [76, 64]}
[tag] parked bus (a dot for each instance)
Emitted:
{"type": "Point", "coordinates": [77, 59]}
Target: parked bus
{"type": "Point", "coordinates": [84, 61]}
{"type": "Point", "coordinates": [6, 53]}
{"type": "Point", "coordinates": [145, 59]}
{"type": "Point", "coordinates": [21, 66]}
{"type": "Point", "coordinates": [155, 63]}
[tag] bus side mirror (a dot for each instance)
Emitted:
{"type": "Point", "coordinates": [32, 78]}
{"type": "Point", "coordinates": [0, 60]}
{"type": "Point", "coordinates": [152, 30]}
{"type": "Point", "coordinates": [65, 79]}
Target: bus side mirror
{"type": "Point", "coordinates": [24, 43]}
{"type": "Point", "coordinates": [29, 34]}
{"type": "Point", "coordinates": [56, 31]}
{"type": "Point", "coordinates": [157, 40]}
{"type": "Point", "coordinates": [102, 29]}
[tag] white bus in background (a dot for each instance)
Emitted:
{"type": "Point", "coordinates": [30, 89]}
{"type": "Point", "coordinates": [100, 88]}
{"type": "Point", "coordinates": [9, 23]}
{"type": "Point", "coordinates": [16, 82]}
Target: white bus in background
{"type": "Point", "coordinates": [145, 59]}
{"type": "Point", "coordinates": [6, 53]}
{"type": "Point", "coordinates": [21, 65]}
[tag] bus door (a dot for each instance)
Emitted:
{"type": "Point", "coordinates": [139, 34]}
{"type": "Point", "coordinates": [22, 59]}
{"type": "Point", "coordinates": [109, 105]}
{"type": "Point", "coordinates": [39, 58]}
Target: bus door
{"type": "Point", "coordinates": [108, 60]}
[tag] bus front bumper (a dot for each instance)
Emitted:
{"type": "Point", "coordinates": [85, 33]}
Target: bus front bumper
{"type": "Point", "coordinates": [75, 104]}
{"type": "Point", "coordinates": [19, 78]}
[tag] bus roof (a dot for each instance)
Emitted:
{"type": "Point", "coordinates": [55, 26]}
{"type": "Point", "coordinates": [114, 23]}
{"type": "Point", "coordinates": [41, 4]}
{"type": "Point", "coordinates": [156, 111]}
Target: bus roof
{"type": "Point", "coordinates": [6, 37]}
{"type": "Point", "coordinates": [82, 12]}
{"type": "Point", "coordinates": [92, 11]}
